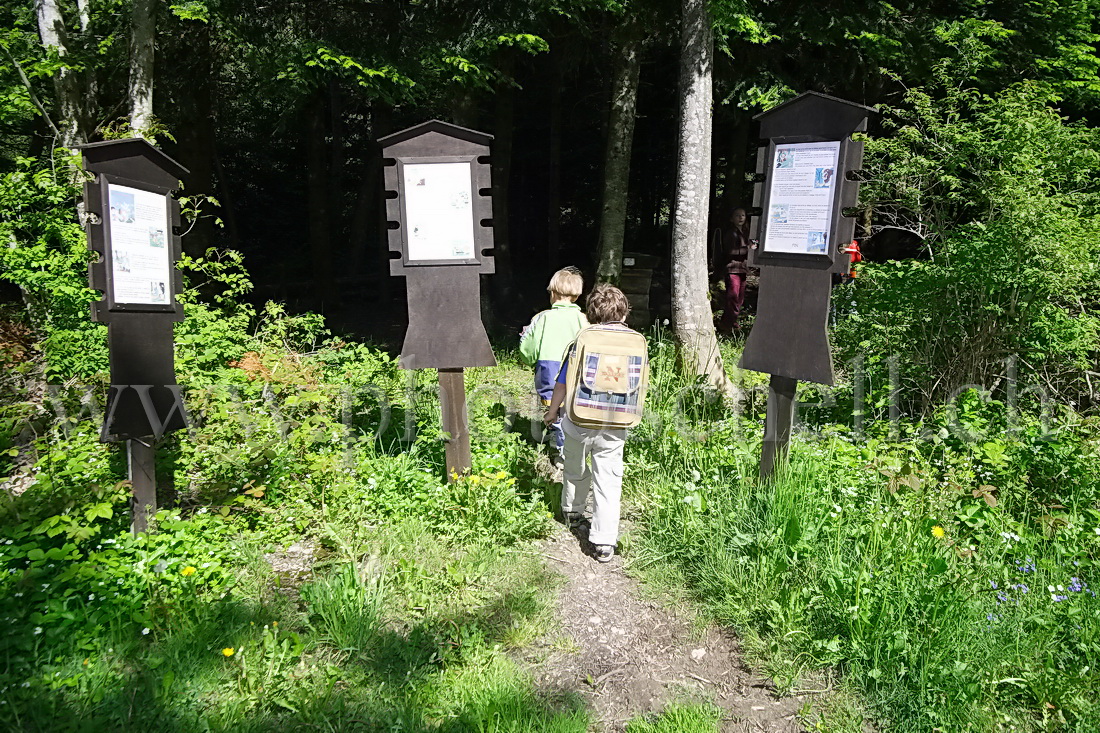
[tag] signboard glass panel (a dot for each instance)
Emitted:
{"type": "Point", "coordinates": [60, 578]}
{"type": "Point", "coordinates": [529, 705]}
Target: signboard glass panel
{"type": "Point", "coordinates": [141, 264]}
{"type": "Point", "coordinates": [800, 202]}
{"type": "Point", "coordinates": [439, 214]}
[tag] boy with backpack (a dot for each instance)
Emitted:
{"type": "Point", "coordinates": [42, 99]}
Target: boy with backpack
{"type": "Point", "coordinates": [602, 384]}
{"type": "Point", "coordinates": [543, 342]}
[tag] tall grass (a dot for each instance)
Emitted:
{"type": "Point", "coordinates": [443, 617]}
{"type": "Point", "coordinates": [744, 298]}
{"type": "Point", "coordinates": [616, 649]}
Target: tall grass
{"type": "Point", "coordinates": [939, 624]}
{"type": "Point", "coordinates": [935, 576]}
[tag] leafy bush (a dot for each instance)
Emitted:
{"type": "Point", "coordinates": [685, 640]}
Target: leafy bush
{"type": "Point", "coordinates": [943, 607]}
{"type": "Point", "coordinates": [1007, 194]}
{"type": "Point", "coordinates": [46, 256]}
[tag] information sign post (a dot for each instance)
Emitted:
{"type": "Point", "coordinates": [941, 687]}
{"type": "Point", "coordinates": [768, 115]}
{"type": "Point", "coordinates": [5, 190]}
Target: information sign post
{"type": "Point", "coordinates": [131, 224]}
{"type": "Point", "coordinates": [801, 192]}
{"type": "Point", "coordinates": [439, 213]}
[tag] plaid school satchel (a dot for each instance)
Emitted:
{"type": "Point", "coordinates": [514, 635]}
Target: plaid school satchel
{"type": "Point", "coordinates": [608, 376]}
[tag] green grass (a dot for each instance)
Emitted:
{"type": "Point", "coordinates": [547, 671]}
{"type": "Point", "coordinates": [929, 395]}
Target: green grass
{"type": "Point", "coordinates": [419, 590]}
{"type": "Point", "coordinates": [679, 718]}
{"type": "Point", "coordinates": [405, 645]}
{"type": "Point", "coordinates": [422, 586]}
{"type": "Point", "coordinates": [828, 567]}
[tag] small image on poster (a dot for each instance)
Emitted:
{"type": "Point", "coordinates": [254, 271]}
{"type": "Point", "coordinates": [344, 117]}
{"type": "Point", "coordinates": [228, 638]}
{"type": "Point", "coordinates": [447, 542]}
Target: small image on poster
{"type": "Point", "coordinates": [815, 242]}
{"type": "Point", "coordinates": [140, 262]}
{"type": "Point", "coordinates": [801, 196]}
{"type": "Point", "coordinates": [439, 213]}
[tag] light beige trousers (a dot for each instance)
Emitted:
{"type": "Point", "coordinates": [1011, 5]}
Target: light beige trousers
{"type": "Point", "coordinates": [603, 479]}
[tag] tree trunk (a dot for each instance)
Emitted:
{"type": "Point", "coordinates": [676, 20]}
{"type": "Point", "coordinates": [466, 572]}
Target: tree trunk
{"type": "Point", "coordinates": [626, 48]}
{"type": "Point", "coordinates": [501, 168]}
{"type": "Point", "coordinates": [143, 31]}
{"type": "Point", "coordinates": [553, 167]}
{"type": "Point", "coordinates": [88, 82]}
{"type": "Point", "coordinates": [336, 213]}
{"type": "Point", "coordinates": [317, 198]}
{"type": "Point", "coordinates": [228, 208]}
{"type": "Point", "coordinates": [197, 136]}
{"type": "Point", "coordinates": [51, 29]}
{"type": "Point", "coordinates": [692, 322]}
{"type": "Point", "coordinates": [734, 190]}
{"type": "Point", "coordinates": [84, 13]}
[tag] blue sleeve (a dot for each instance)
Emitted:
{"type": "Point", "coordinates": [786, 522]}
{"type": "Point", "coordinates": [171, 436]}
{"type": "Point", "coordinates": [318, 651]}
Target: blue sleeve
{"type": "Point", "coordinates": [563, 371]}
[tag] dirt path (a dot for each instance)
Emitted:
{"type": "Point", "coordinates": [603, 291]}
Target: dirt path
{"type": "Point", "coordinates": [627, 656]}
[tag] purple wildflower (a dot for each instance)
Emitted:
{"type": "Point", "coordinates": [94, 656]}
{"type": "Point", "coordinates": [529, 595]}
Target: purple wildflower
{"type": "Point", "coordinates": [1075, 585]}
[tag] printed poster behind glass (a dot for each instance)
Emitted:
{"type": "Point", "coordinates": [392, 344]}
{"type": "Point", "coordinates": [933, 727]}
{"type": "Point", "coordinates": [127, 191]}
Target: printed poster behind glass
{"type": "Point", "coordinates": [800, 201]}
{"type": "Point", "coordinates": [141, 263]}
{"type": "Point", "coordinates": [439, 221]}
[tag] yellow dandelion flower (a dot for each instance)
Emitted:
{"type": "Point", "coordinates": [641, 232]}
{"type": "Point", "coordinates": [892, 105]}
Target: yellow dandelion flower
{"type": "Point", "coordinates": [188, 571]}
{"type": "Point", "coordinates": [275, 624]}
{"type": "Point", "coordinates": [228, 651]}
{"type": "Point", "coordinates": [938, 532]}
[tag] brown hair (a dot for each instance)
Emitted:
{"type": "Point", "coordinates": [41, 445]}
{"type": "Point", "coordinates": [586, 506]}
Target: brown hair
{"type": "Point", "coordinates": [566, 283]}
{"type": "Point", "coordinates": [606, 304]}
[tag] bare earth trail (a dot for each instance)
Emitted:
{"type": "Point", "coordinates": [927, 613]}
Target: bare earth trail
{"type": "Point", "coordinates": [627, 656]}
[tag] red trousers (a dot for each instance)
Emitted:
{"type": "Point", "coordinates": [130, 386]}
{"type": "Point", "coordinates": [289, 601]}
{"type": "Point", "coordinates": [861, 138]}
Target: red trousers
{"type": "Point", "coordinates": [735, 298]}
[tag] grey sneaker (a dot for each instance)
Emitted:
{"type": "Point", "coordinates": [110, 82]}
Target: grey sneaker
{"type": "Point", "coordinates": [604, 553]}
{"type": "Point", "coordinates": [574, 519]}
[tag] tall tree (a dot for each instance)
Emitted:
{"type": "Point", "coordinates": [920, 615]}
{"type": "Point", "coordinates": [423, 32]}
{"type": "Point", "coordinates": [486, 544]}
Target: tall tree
{"type": "Point", "coordinates": [143, 31]}
{"type": "Point", "coordinates": [626, 57]}
{"type": "Point", "coordinates": [51, 29]}
{"type": "Point", "coordinates": [692, 323]}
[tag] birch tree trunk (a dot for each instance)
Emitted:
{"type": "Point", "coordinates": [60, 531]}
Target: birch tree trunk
{"type": "Point", "coordinates": [143, 31]}
{"type": "Point", "coordinates": [84, 13]}
{"type": "Point", "coordinates": [620, 136]}
{"type": "Point", "coordinates": [51, 29]}
{"type": "Point", "coordinates": [317, 197]}
{"type": "Point", "coordinates": [693, 325]}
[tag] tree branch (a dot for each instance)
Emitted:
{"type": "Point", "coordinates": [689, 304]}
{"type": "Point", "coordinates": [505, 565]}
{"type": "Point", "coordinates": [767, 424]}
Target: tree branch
{"type": "Point", "coordinates": [30, 90]}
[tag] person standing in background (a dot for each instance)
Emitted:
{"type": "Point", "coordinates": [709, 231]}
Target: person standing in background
{"type": "Point", "coordinates": [729, 248]}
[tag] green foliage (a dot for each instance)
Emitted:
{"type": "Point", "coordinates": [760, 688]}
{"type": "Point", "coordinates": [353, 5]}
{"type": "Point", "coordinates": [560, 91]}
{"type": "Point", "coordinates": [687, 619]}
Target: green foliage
{"type": "Point", "coordinates": [196, 10]}
{"type": "Point", "coordinates": [1008, 197]}
{"type": "Point", "coordinates": [679, 718]}
{"type": "Point", "coordinates": [317, 62]}
{"type": "Point", "coordinates": [940, 574]}
{"type": "Point", "coordinates": [46, 256]}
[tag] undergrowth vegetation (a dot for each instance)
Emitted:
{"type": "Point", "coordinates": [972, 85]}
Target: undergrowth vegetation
{"type": "Point", "coordinates": [313, 568]}
{"type": "Point", "coordinates": [946, 568]}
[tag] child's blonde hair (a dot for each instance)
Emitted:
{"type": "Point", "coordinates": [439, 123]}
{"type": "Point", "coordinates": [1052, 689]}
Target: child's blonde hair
{"type": "Point", "coordinates": [566, 283]}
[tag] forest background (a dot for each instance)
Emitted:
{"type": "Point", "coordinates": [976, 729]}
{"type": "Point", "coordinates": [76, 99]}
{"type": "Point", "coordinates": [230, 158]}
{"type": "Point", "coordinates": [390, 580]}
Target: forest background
{"type": "Point", "coordinates": [969, 360]}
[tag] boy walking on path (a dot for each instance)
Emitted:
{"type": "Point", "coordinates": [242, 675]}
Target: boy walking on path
{"type": "Point", "coordinates": [543, 342]}
{"type": "Point", "coordinates": [628, 367]}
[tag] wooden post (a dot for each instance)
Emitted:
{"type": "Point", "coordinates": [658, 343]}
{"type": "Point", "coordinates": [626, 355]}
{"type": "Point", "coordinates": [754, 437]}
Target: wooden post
{"type": "Point", "coordinates": [452, 400]}
{"type": "Point", "coordinates": [777, 425]}
{"type": "Point", "coordinates": [143, 479]}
